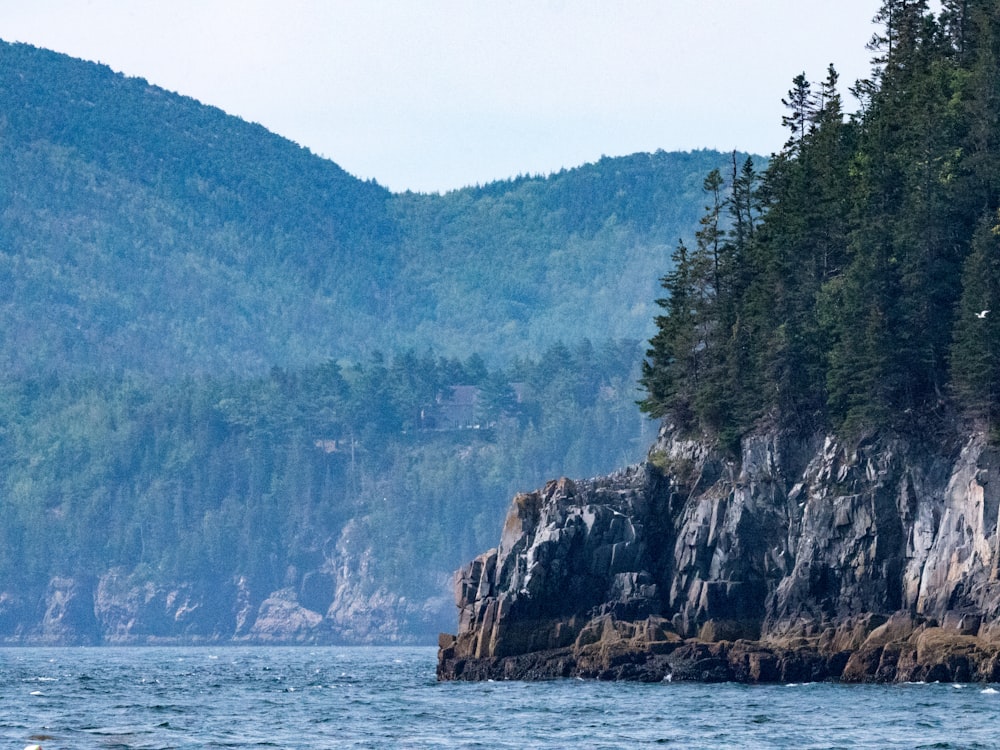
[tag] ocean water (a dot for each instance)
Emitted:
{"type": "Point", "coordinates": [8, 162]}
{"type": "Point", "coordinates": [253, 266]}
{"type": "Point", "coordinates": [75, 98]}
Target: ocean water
{"type": "Point", "coordinates": [388, 698]}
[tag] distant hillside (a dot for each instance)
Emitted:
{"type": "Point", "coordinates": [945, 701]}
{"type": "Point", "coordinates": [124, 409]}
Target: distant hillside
{"type": "Point", "coordinates": [517, 265]}
{"type": "Point", "coordinates": [143, 231]}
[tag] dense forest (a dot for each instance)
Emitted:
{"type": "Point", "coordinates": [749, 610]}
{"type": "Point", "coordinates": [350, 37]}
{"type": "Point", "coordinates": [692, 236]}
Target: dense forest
{"type": "Point", "coordinates": [853, 284]}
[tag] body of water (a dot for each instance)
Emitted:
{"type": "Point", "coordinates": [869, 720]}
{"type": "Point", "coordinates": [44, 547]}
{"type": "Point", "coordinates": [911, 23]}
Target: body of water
{"type": "Point", "coordinates": [305, 698]}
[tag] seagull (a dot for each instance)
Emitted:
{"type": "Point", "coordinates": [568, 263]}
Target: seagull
{"type": "Point", "coordinates": [982, 314]}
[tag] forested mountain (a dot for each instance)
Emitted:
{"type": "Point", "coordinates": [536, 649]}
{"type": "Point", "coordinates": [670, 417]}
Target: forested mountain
{"type": "Point", "coordinates": [244, 394]}
{"type": "Point", "coordinates": [142, 231]}
{"type": "Point", "coordinates": [853, 285]}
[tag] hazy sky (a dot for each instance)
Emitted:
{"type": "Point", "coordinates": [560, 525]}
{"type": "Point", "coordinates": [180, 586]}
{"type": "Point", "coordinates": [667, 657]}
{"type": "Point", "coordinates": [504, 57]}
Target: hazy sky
{"type": "Point", "coordinates": [431, 95]}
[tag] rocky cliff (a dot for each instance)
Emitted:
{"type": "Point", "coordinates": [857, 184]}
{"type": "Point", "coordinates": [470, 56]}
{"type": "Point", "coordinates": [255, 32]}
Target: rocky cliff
{"type": "Point", "coordinates": [802, 559]}
{"type": "Point", "coordinates": [331, 601]}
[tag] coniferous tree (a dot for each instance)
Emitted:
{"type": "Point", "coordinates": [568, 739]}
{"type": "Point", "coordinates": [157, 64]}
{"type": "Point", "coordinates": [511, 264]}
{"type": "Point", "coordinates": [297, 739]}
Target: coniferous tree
{"type": "Point", "coordinates": [955, 23]}
{"type": "Point", "coordinates": [699, 360]}
{"type": "Point", "coordinates": [799, 247]}
{"type": "Point", "coordinates": [801, 105]}
{"type": "Point", "coordinates": [890, 319]}
{"type": "Point", "coordinates": [978, 173]}
{"type": "Point", "coordinates": [714, 267]}
{"type": "Point", "coordinates": [670, 370]}
{"type": "Point", "coordinates": [744, 205]}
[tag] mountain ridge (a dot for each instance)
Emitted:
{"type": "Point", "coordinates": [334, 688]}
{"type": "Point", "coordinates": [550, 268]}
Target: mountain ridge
{"type": "Point", "coordinates": [146, 231]}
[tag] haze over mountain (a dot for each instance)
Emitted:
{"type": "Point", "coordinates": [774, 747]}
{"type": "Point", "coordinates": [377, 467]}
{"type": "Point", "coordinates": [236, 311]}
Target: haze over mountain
{"type": "Point", "coordinates": [144, 231]}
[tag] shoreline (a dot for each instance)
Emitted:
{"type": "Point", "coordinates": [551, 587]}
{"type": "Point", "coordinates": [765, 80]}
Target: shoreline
{"type": "Point", "coordinates": [902, 648]}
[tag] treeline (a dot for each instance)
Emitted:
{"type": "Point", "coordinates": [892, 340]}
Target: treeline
{"type": "Point", "coordinates": [846, 285]}
{"type": "Point", "coordinates": [209, 478]}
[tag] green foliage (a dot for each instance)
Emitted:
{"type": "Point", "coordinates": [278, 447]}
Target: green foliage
{"type": "Point", "coordinates": [854, 301]}
{"type": "Point", "coordinates": [695, 362]}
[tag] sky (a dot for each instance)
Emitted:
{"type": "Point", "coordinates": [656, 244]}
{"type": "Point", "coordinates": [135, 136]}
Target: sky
{"type": "Point", "coordinates": [434, 95]}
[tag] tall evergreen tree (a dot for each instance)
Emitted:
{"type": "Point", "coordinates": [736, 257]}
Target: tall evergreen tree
{"type": "Point", "coordinates": [697, 364]}
{"type": "Point", "coordinates": [956, 19]}
{"type": "Point", "coordinates": [671, 368]}
{"type": "Point", "coordinates": [979, 170]}
{"type": "Point", "coordinates": [802, 107]}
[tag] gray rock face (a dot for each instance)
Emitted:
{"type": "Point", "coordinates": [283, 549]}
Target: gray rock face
{"type": "Point", "coordinates": [333, 601]}
{"type": "Point", "coordinates": [69, 615]}
{"type": "Point", "coordinates": [792, 555]}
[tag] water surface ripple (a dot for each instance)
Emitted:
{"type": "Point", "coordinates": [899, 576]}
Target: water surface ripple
{"type": "Point", "coordinates": [306, 698]}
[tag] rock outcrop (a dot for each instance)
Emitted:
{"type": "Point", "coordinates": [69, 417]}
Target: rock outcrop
{"type": "Point", "coordinates": [803, 559]}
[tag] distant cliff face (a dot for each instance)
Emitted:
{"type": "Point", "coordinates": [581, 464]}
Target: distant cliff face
{"type": "Point", "coordinates": [804, 559]}
{"type": "Point", "coordinates": [332, 603]}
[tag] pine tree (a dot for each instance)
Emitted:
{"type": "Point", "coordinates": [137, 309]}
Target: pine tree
{"type": "Point", "coordinates": [802, 106]}
{"type": "Point", "coordinates": [955, 22]}
{"type": "Point", "coordinates": [670, 370]}
{"type": "Point", "coordinates": [801, 245]}
{"type": "Point", "coordinates": [850, 297]}
{"type": "Point", "coordinates": [890, 331]}
{"type": "Point", "coordinates": [744, 204]}
{"type": "Point", "coordinates": [978, 173]}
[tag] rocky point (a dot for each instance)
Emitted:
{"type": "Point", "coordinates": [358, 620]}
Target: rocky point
{"type": "Point", "coordinates": [804, 558]}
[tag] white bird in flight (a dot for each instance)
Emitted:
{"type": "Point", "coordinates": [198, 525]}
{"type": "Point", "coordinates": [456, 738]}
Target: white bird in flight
{"type": "Point", "coordinates": [982, 314]}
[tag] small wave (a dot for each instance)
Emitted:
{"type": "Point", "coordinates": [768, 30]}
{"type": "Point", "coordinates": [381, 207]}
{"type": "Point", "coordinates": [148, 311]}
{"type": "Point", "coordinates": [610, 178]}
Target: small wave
{"type": "Point", "coordinates": [37, 693]}
{"type": "Point", "coordinates": [989, 691]}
